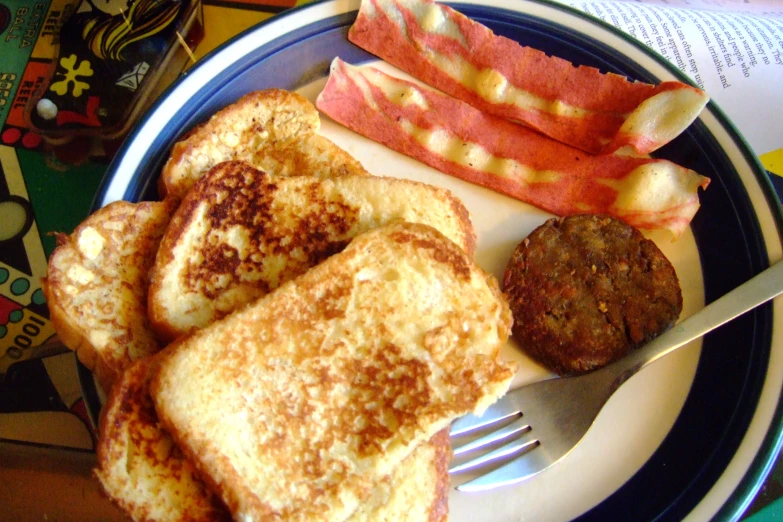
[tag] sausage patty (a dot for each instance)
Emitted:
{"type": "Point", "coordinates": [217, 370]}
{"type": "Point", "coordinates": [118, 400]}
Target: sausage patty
{"type": "Point", "coordinates": [587, 289]}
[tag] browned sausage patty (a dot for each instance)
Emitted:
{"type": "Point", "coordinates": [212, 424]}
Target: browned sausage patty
{"type": "Point", "coordinates": [585, 290]}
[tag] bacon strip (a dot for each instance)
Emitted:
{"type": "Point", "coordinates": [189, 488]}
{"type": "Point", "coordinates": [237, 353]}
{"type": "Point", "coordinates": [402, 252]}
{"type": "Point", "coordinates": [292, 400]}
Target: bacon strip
{"type": "Point", "coordinates": [580, 106]}
{"type": "Point", "coordinates": [460, 140]}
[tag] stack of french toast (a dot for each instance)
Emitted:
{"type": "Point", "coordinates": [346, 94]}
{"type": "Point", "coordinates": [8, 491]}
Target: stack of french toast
{"type": "Point", "coordinates": [283, 336]}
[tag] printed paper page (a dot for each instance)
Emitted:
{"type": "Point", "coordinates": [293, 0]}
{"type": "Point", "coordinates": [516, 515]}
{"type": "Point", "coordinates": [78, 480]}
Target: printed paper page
{"type": "Point", "coordinates": [738, 6]}
{"type": "Point", "coordinates": [736, 57]}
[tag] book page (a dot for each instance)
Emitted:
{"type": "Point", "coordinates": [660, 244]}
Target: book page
{"type": "Point", "coordinates": [758, 7]}
{"type": "Point", "coordinates": [736, 57]}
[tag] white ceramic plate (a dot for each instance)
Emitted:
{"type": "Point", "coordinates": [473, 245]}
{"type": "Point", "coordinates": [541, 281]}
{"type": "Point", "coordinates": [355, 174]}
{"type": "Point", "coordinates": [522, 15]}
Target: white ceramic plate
{"type": "Point", "coordinates": [691, 436]}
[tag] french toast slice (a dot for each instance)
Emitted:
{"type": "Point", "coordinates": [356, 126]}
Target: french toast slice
{"type": "Point", "coordinates": [240, 233]}
{"type": "Point", "coordinates": [273, 130]}
{"type": "Point", "coordinates": [139, 467]}
{"type": "Point", "coordinates": [146, 475]}
{"type": "Point", "coordinates": [295, 405]}
{"type": "Point", "coordinates": [96, 286]}
{"type": "Point", "coordinates": [417, 490]}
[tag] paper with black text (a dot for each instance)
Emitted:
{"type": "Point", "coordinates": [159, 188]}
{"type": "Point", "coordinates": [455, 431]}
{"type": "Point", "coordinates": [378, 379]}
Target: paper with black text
{"type": "Point", "coordinates": [733, 49]}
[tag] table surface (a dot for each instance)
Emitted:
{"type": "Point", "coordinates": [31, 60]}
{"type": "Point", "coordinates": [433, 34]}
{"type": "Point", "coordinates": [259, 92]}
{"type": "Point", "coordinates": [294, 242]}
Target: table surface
{"type": "Point", "coordinates": [46, 438]}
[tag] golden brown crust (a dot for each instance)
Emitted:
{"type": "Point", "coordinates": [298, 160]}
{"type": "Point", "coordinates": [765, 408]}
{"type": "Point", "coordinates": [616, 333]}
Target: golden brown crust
{"type": "Point", "coordinates": [468, 232]}
{"type": "Point", "coordinates": [74, 338]}
{"type": "Point", "coordinates": [96, 285]}
{"type": "Point", "coordinates": [273, 130]}
{"type": "Point", "coordinates": [439, 508]}
{"type": "Point", "coordinates": [416, 491]}
{"type": "Point", "coordinates": [181, 441]}
{"type": "Point", "coordinates": [322, 387]}
{"type": "Point", "coordinates": [240, 233]}
{"type": "Point", "coordinates": [283, 139]}
{"type": "Point", "coordinates": [139, 468]}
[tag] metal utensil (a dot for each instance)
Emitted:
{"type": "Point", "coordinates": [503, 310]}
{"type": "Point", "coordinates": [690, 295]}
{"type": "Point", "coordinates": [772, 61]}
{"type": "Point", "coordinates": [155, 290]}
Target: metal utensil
{"type": "Point", "coordinates": [552, 416]}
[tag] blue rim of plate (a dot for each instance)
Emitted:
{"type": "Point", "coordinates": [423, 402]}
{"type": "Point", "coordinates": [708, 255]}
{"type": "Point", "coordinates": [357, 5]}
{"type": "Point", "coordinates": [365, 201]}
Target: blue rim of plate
{"type": "Point", "coordinates": [716, 437]}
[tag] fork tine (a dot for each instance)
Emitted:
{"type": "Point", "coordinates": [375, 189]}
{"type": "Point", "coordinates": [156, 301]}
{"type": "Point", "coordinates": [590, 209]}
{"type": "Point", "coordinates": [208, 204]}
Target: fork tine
{"type": "Point", "coordinates": [519, 425]}
{"type": "Point", "coordinates": [502, 409]}
{"type": "Point", "coordinates": [519, 469]}
{"type": "Point", "coordinates": [522, 444]}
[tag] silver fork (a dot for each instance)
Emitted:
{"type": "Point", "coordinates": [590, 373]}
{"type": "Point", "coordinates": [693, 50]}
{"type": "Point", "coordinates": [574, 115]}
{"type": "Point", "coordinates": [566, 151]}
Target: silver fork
{"type": "Point", "coordinates": [550, 417]}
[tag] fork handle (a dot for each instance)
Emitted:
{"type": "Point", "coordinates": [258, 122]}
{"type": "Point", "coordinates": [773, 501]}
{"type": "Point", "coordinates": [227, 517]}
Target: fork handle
{"type": "Point", "coordinates": [758, 290]}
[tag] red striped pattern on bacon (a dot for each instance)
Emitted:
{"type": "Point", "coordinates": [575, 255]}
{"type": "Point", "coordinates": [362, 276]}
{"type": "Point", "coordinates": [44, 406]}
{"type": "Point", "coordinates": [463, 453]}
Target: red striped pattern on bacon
{"type": "Point", "coordinates": [462, 141]}
{"type": "Point", "coordinates": [580, 106]}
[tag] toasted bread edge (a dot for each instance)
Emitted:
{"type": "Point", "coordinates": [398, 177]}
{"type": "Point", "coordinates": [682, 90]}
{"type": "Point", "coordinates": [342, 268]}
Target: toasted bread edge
{"type": "Point", "coordinates": [268, 101]}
